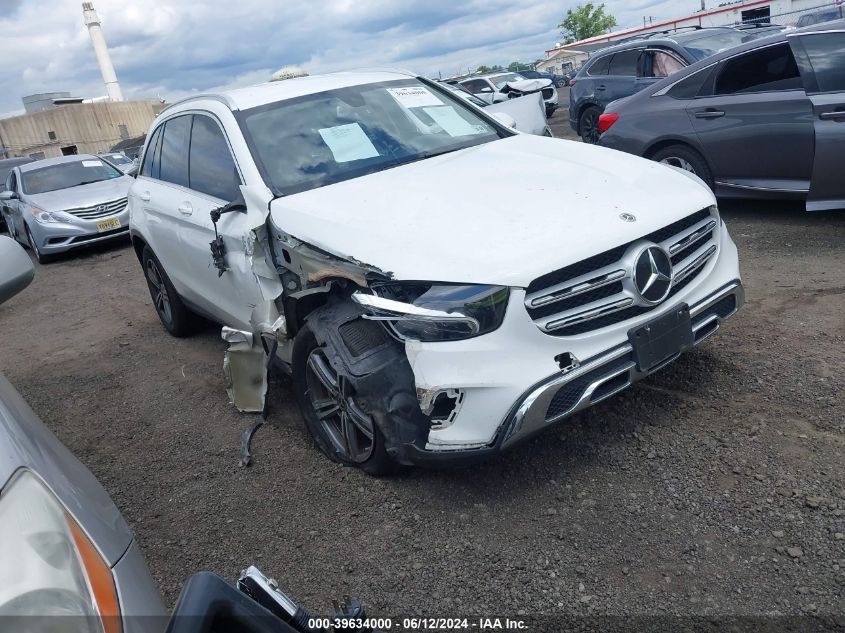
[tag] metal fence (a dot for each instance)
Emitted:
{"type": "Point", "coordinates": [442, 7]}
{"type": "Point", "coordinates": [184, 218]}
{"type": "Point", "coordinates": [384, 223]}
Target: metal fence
{"type": "Point", "coordinates": [802, 17]}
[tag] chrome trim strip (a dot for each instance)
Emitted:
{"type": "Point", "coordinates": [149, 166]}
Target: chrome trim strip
{"type": "Point", "coordinates": [586, 398]}
{"type": "Point", "coordinates": [530, 414]}
{"type": "Point", "coordinates": [587, 315]}
{"type": "Point", "coordinates": [696, 235]}
{"type": "Point", "coordinates": [697, 263]}
{"type": "Point", "coordinates": [572, 290]}
{"type": "Point", "coordinates": [753, 188]}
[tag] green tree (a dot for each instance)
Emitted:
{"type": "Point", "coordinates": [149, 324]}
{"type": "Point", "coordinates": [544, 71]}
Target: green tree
{"type": "Point", "coordinates": [516, 66]}
{"type": "Point", "coordinates": [585, 21]}
{"type": "Point", "coordinates": [483, 69]}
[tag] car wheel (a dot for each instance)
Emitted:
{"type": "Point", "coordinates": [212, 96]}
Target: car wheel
{"type": "Point", "coordinates": [41, 257]}
{"type": "Point", "coordinates": [334, 416]}
{"type": "Point", "coordinates": [177, 319]}
{"type": "Point", "coordinates": [687, 159]}
{"type": "Point", "coordinates": [588, 124]}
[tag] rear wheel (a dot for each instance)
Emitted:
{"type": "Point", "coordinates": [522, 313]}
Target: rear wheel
{"type": "Point", "coordinates": [334, 415]}
{"type": "Point", "coordinates": [588, 124]}
{"type": "Point", "coordinates": [686, 158]}
{"type": "Point", "coordinates": [176, 318]}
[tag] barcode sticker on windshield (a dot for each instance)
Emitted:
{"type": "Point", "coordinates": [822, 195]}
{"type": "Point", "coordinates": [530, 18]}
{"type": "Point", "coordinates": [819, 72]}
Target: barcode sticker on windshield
{"type": "Point", "coordinates": [92, 163]}
{"type": "Point", "coordinates": [414, 97]}
{"type": "Point", "coordinates": [452, 122]}
{"type": "Point", "coordinates": [348, 143]}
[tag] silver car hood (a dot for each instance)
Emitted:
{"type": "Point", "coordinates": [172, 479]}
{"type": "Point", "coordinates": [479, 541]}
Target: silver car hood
{"type": "Point", "coordinates": [25, 442]}
{"type": "Point", "coordinates": [83, 195]}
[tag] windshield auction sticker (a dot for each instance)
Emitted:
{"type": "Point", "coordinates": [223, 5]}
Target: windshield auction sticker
{"type": "Point", "coordinates": [348, 143]}
{"type": "Point", "coordinates": [414, 97]}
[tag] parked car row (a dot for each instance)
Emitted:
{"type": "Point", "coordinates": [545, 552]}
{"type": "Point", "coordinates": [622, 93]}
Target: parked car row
{"type": "Point", "coordinates": [766, 118]}
{"type": "Point", "coordinates": [627, 68]}
{"type": "Point", "coordinates": [497, 87]}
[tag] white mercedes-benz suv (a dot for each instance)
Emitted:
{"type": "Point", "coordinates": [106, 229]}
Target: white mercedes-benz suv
{"type": "Point", "coordinates": [434, 285]}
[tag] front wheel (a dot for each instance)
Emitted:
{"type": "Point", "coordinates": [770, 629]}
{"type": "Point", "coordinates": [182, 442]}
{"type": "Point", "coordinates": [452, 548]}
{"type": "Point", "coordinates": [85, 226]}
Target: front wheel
{"type": "Point", "coordinates": [588, 125]}
{"type": "Point", "coordinates": [334, 415]}
{"type": "Point", "coordinates": [685, 158]}
{"type": "Point", "coordinates": [41, 257]}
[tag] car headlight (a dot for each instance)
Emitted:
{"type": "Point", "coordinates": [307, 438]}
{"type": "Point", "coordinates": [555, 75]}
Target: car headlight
{"type": "Point", "coordinates": [426, 311]}
{"type": "Point", "coordinates": [50, 567]}
{"type": "Point", "coordinates": [43, 216]}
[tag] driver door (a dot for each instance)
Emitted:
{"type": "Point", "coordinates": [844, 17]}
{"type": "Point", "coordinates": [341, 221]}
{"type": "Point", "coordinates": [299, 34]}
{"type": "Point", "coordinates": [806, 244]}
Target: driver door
{"type": "Point", "coordinates": [824, 80]}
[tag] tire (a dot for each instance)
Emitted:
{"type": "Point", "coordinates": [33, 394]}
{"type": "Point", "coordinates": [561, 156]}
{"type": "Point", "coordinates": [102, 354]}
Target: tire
{"type": "Point", "coordinates": [342, 430]}
{"type": "Point", "coordinates": [41, 257]}
{"type": "Point", "coordinates": [686, 158]}
{"type": "Point", "coordinates": [588, 125]}
{"type": "Point", "coordinates": [176, 318]}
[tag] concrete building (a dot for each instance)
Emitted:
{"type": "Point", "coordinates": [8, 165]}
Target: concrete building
{"type": "Point", "coordinates": [83, 128]}
{"type": "Point", "coordinates": [785, 12]}
{"type": "Point", "coordinates": [561, 61]}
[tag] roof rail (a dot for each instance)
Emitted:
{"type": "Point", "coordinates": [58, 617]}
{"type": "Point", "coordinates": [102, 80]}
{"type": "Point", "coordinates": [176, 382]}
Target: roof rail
{"type": "Point", "coordinates": [225, 100]}
{"type": "Point", "coordinates": [391, 69]}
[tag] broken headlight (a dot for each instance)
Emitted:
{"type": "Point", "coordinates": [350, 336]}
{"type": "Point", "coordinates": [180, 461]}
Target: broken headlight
{"type": "Point", "coordinates": [426, 311]}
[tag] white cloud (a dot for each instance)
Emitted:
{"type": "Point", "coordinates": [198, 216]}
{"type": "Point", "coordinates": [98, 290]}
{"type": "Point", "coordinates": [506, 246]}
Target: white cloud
{"type": "Point", "coordinates": [175, 47]}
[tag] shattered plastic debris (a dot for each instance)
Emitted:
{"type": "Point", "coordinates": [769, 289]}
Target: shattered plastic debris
{"type": "Point", "coordinates": [245, 368]}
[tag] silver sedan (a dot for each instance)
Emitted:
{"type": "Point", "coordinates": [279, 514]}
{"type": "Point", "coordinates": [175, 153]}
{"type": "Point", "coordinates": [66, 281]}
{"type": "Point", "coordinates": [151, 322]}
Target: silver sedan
{"type": "Point", "coordinates": [58, 204]}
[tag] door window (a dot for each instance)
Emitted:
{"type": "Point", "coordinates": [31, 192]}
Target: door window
{"type": "Point", "coordinates": [150, 165]}
{"type": "Point", "coordinates": [624, 64]}
{"type": "Point", "coordinates": [827, 56]}
{"type": "Point", "coordinates": [600, 66]}
{"type": "Point", "coordinates": [212, 169]}
{"type": "Point", "coordinates": [765, 70]}
{"type": "Point", "coordinates": [475, 85]}
{"type": "Point", "coordinates": [663, 64]}
{"type": "Point", "coordinates": [174, 150]}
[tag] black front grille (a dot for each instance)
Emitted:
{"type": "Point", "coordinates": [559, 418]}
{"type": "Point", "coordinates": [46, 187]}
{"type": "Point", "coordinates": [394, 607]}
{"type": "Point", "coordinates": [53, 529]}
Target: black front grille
{"type": "Point", "coordinates": [96, 236]}
{"type": "Point", "coordinates": [568, 395]}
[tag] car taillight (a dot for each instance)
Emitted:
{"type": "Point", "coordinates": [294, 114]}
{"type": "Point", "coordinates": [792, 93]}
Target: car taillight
{"type": "Point", "coordinates": [606, 120]}
{"type": "Point", "coordinates": [572, 82]}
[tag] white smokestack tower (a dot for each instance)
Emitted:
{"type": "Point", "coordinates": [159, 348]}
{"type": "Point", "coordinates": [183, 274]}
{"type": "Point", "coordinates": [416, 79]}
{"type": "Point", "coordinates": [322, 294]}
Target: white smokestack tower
{"type": "Point", "coordinates": [92, 21]}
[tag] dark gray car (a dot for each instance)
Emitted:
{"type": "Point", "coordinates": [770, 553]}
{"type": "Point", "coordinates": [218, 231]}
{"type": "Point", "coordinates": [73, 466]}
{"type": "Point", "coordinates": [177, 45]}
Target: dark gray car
{"type": "Point", "coordinates": [622, 70]}
{"type": "Point", "coordinates": [765, 119]}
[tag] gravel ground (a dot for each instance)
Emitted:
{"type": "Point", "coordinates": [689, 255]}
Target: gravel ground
{"type": "Point", "coordinates": [715, 487]}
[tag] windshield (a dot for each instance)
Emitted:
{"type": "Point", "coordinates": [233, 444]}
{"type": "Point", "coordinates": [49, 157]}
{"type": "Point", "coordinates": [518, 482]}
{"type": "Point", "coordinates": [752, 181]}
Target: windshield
{"type": "Point", "coordinates": [117, 159]}
{"type": "Point", "coordinates": [332, 136]}
{"type": "Point", "coordinates": [500, 80]}
{"type": "Point", "coordinates": [466, 96]}
{"type": "Point", "coordinates": [66, 175]}
{"type": "Point", "coordinates": [704, 46]}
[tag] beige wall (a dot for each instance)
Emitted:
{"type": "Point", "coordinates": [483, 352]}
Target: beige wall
{"type": "Point", "coordinates": [92, 127]}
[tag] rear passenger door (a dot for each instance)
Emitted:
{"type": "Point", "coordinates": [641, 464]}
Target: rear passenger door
{"type": "Point", "coordinates": [823, 69]}
{"type": "Point", "coordinates": [621, 80]}
{"type": "Point", "coordinates": [755, 122]}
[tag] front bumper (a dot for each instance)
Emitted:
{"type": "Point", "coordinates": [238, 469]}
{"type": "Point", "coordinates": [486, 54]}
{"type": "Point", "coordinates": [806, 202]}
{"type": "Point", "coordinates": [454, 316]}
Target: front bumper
{"type": "Point", "coordinates": [508, 379]}
{"type": "Point", "coordinates": [60, 237]}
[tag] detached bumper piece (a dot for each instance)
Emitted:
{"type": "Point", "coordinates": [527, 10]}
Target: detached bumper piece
{"type": "Point", "coordinates": [603, 376]}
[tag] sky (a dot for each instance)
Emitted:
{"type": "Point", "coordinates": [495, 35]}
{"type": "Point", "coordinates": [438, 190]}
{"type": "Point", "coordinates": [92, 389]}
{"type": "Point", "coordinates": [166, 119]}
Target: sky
{"type": "Point", "coordinates": [171, 48]}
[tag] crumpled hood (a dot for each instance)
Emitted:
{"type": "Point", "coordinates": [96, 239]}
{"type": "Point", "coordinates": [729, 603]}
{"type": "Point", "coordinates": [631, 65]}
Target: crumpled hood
{"type": "Point", "coordinates": [529, 85]}
{"type": "Point", "coordinates": [504, 212]}
{"type": "Point", "coordinates": [83, 195]}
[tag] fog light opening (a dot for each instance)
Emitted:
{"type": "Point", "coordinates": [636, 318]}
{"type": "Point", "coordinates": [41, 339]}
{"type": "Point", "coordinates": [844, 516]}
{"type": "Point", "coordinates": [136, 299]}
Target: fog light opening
{"type": "Point", "coordinates": [442, 407]}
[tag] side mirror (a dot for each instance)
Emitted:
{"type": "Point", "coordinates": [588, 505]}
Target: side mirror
{"type": "Point", "coordinates": [16, 271]}
{"type": "Point", "coordinates": [132, 171]}
{"type": "Point", "coordinates": [505, 119]}
{"type": "Point", "coordinates": [8, 195]}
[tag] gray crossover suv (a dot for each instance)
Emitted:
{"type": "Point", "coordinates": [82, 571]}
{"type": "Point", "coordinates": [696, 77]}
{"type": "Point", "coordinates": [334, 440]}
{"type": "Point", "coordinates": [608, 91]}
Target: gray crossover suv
{"type": "Point", "coordinates": [765, 119]}
{"type": "Point", "coordinates": [627, 68]}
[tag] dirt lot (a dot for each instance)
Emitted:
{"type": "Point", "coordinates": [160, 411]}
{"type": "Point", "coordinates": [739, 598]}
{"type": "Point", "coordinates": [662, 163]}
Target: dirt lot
{"type": "Point", "coordinates": [715, 487]}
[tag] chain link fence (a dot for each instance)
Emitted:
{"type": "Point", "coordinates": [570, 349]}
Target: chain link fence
{"type": "Point", "coordinates": [801, 17]}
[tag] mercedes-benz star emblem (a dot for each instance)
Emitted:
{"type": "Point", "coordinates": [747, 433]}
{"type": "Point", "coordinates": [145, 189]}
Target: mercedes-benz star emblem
{"type": "Point", "coordinates": [653, 274]}
{"type": "Point", "coordinates": [628, 217]}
